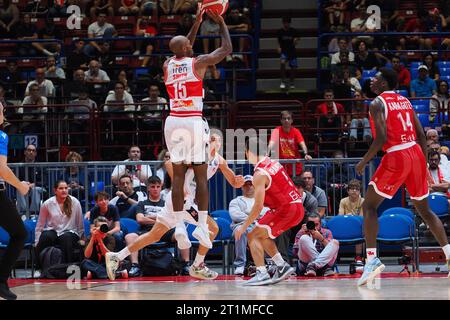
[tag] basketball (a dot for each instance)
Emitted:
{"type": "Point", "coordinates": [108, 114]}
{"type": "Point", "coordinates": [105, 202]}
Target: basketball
{"type": "Point", "coordinates": [220, 6]}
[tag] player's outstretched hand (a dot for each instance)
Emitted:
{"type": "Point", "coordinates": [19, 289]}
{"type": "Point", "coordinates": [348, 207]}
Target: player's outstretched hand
{"type": "Point", "coordinates": [238, 181]}
{"type": "Point", "coordinates": [216, 17]}
{"type": "Point", "coordinates": [360, 168]}
{"type": "Point", "coordinates": [199, 14]}
{"type": "Point", "coordinates": [24, 188]}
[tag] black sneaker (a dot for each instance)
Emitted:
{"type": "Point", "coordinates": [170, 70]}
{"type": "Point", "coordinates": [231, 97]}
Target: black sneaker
{"type": "Point", "coordinates": [135, 271]}
{"type": "Point", "coordinates": [5, 293]}
{"type": "Point", "coordinates": [185, 269]}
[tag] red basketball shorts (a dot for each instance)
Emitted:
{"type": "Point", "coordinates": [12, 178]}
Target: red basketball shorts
{"type": "Point", "coordinates": [277, 221]}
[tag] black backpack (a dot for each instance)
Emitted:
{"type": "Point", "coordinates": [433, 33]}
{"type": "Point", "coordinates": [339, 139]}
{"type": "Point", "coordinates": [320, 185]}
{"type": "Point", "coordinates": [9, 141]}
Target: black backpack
{"type": "Point", "coordinates": [50, 256]}
{"type": "Point", "coordinates": [160, 262]}
{"type": "Point", "coordinates": [60, 271]}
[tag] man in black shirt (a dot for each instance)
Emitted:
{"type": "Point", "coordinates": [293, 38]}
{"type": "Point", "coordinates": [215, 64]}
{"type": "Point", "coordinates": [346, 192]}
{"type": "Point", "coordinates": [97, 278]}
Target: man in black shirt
{"type": "Point", "coordinates": [76, 59]}
{"type": "Point", "coordinates": [11, 79]}
{"type": "Point", "coordinates": [237, 24]}
{"type": "Point", "coordinates": [126, 198]}
{"type": "Point", "coordinates": [287, 39]}
{"type": "Point", "coordinates": [26, 31]}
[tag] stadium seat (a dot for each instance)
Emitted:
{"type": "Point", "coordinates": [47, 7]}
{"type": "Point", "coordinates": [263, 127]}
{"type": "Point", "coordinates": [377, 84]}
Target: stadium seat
{"type": "Point", "coordinates": [446, 78]}
{"type": "Point", "coordinates": [444, 71]}
{"type": "Point", "coordinates": [439, 205]}
{"type": "Point", "coordinates": [4, 238]}
{"type": "Point", "coordinates": [124, 22]}
{"type": "Point", "coordinates": [225, 214]}
{"type": "Point", "coordinates": [443, 64]}
{"type": "Point", "coordinates": [122, 60]}
{"type": "Point", "coordinates": [399, 211]}
{"type": "Point", "coordinates": [128, 225]}
{"type": "Point", "coordinates": [424, 119]}
{"type": "Point", "coordinates": [403, 93]}
{"type": "Point", "coordinates": [87, 228]}
{"type": "Point", "coordinates": [421, 106]}
{"type": "Point", "coordinates": [346, 229]}
{"type": "Point", "coordinates": [369, 74]}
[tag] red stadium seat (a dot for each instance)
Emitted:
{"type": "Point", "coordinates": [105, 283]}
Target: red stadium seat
{"type": "Point", "coordinates": [169, 24]}
{"type": "Point", "coordinates": [38, 22]}
{"type": "Point", "coordinates": [123, 45]}
{"type": "Point", "coordinates": [122, 60]}
{"type": "Point", "coordinates": [30, 63]}
{"type": "Point", "coordinates": [60, 22]}
{"type": "Point", "coordinates": [124, 22]}
{"type": "Point", "coordinates": [136, 61]}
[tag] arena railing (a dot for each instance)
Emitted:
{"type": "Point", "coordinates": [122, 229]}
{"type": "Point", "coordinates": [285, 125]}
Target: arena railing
{"type": "Point", "coordinates": [332, 175]}
{"type": "Point", "coordinates": [322, 36]}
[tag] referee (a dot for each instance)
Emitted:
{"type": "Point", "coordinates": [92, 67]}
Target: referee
{"type": "Point", "coordinates": [9, 217]}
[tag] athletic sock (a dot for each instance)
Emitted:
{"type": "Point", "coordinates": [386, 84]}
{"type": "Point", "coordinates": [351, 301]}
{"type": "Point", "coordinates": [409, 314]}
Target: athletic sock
{"type": "Point", "coordinates": [446, 250]}
{"type": "Point", "coordinates": [202, 217]}
{"type": "Point", "coordinates": [179, 218]}
{"type": "Point", "coordinates": [262, 269]}
{"type": "Point", "coordinates": [371, 254]}
{"type": "Point", "coordinates": [278, 259]}
{"type": "Point", "coordinates": [125, 252]}
{"type": "Point", "coordinates": [198, 260]}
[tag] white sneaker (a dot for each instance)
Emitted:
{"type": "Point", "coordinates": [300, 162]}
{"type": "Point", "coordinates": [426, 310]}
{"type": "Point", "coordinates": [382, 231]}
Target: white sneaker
{"type": "Point", "coordinates": [371, 270]}
{"type": "Point", "coordinates": [202, 272]}
{"type": "Point", "coordinates": [201, 233]}
{"type": "Point", "coordinates": [112, 264]}
{"type": "Point", "coordinates": [282, 86]}
{"type": "Point", "coordinates": [260, 279]}
{"type": "Point", "coordinates": [182, 238]}
{"type": "Point", "coordinates": [239, 271]}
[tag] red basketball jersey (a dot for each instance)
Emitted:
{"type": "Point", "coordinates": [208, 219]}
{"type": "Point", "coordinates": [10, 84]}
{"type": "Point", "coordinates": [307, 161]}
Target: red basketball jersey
{"type": "Point", "coordinates": [399, 114]}
{"type": "Point", "coordinates": [281, 190]}
{"type": "Point", "coordinates": [184, 86]}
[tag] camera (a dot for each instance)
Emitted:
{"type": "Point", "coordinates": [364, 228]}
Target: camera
{"type": "Point", "coordinates": [104, 228]}
{"type": "Point", "coordinates": [310, 225]}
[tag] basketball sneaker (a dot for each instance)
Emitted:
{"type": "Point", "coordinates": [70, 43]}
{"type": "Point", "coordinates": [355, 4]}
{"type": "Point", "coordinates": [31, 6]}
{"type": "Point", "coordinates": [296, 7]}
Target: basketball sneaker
{"type": "Point", "coordinates": [201, 233]}
{"type": "Point", "coordinates": [371, 270]}
{"type": "Point", "coordinates": [202, 272]}
{"type": "Point", "coordinates": [282, 273]}
{"type": "Point", "coordinates": [112, 264]}
{"type": "Point", "coordinates": [448, 268]}
{"type": "Point", "coordinates": [260, 279]}
{"type": "Point", "coordinates": [182, 238]}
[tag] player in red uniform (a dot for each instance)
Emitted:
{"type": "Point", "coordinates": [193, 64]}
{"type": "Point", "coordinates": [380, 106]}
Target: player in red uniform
{"type": "Point", "coordinates": [186, 132]}
{"type": "Point", "coordinates": [273, 189]}
{"type": "Point", "coordinates": [398, 132]}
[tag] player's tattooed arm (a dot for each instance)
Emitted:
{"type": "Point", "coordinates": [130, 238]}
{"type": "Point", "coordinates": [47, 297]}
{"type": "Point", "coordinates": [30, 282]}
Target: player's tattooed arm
{"type": "Point", "coordinates": [377, 113]}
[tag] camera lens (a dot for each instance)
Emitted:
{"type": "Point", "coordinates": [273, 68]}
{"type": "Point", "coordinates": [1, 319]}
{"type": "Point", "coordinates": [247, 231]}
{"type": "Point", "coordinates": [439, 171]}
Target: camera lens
{"type": "Point", "coordinates": [310, 225]}
{"type": "Point", "coordinates": [104, 228]}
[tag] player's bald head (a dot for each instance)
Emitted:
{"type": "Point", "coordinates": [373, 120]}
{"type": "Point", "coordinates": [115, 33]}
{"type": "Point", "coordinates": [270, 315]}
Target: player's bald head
{"type": "Point", "coordinates": [179, 45]}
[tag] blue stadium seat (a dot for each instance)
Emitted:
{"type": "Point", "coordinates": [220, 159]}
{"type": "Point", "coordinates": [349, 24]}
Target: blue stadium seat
{"type": "Point", "coordinates": [367, 74]}
{"type": "Point", "coordinates": [87, 228]}
{"type": "Point", "coordinates": [128, 225]}
{"type": "Point", "coordinates": [415, 65]}
{"type": "Point", "coordinates": [225, 214]}
{"type": "Point", "coordinates": [403, 93]}
{"type": "Point", "coordinates": [444, 71]}
{"type": "Point", "coordinates": [443, 64]}
{"type": "Point", "coordinates": [346, 229]}
{"type": "Point", "coordinates": [421, 105]}
{"type": "Point", "coordinates": [446, 78]}
{"type": "Point", "coordinates": [425, 120]}
{"type": "Point", "coordinates": [4, 238]}
{"type": "Point", "coordinates": [439, 205]}
{"type": "Point", "coordinates": [395, 229]}
{"type": "Point", "coordinates": [399, 211]}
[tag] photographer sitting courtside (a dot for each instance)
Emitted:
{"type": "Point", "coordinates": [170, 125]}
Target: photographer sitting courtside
{"type": "Point", "coordinates": [316, 249]}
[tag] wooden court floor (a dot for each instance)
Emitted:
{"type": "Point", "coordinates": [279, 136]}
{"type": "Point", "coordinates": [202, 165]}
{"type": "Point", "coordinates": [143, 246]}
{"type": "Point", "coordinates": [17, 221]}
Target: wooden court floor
{"type": "Point", "coordinates": [389, 287]}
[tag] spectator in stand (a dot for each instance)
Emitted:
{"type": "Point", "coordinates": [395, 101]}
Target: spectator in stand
{"type": "Point", "coordinates": [352, 205]}
{"type": "Point", "coordinates": [75, 176]}
{"type": "Point", "coordinates": [11, 120]}
{"type": "Point", "coordinates": [343, 64]}
{"type": "Point", "coordinates": [404, 76]}
{"type": "Point", "coordinates": [359, 25]}
{"type": "Point", "coordinates": [359, 118]}
{"type": "Point", "coordinates": [138, 173]}
{"type": "Point", "coordinates": [46, 87]}
{"type": "Point", "coordinates": [316, 249]}
{"type": "Point", "coordinates": [60, 223]}
{"type": "Point", "coordinates": [81, 109]}
{"type": "Point", "coordinates": [433, 69]}
{"type": "Point", "coordinates": [432, 135]}
{"type": "Point", "coordinates": [148, 8]}
{"type": "Point", "coordinates": [239, 209]}
{"type": "Point", "coordinates": [76, 58]}
{"type": "Point", "coordinates": [31, 203]}
{"type": "Point", "coordinates": [161, 171]}
{"type": "Point", "coordinates": [435, 22]}
{"type": "Point", "coordinates": [209, 28]}
{"type": "Point", "coordinates": [49, 32]}
{"type": "Point", "coordinates": [155, 105]}
{"type": "Point", "coordinates": [11, 79]}
{"type": "Point", "coordinates": [119, 95]}
{"type": "Point", "coordinates": [101, 7]}
{"type": "Point", "coordinates": [98, 29]}
{"type": "Point", "coordinates": [9, 18]}
{"type": "Point", "coordinates": [184, 6]}
{"type": "Point", "coordinates": [129, 7]}
{"type": "Point", "coordinates": [72, 88]}
{"type": "Point", "coordinates": [185, 24]}
{"type": "Point", "coordinates": [166, 6]}
{"type": "Point", "coordinates": [52, 70]}
{"type": "Point", "coordinates": [365, 59]}
{"type": "Point", "coordinates": [310, 203]}
{"type": "Point", "coordinates": [345, 86]}
{"type": "Point", "coordinates": [237, 23]}
{"type": "Point", "coordinates": [122, 77]}
{"type": "Point", "coordinates": [146, 214]}
{"type": "Point", "coordinates": [436, 181]}
{"type": "Point", "coordinates": [96, 77]}
{"type": "Point", "coordinates": [25, 30]}
{"type": "Point", "coordinates": [444, 164]}
{"type": "Point", "coordinates": [127, 198]}
{"type": "Point", "coordinates": [443, 98]}
{"type": "Point", "coordinates": [38, 9]}
{"type": "Point", "coordinates": [417, 24]}
{"type": "Point", "coordinates": [287, 40]}
{"type": "Point", "coordinates": [110, 212]}
{"type": "Point", "coordinates": [423, 86]}
{"type": "Point", "coordinates": [105, 57]}
{"type": "Point", "coordinates": [343, 46]}
{"type": "Point", "coordinates": [330, 115]}
{"type": "Point", "coordinates": [286, 142]}
{"type": "Point", "coordinates": [336, 10]}
{"type": "Point", "coordinates": [144, 29]}
{"type": "Point", "coordinates": [317, 192]}
{"type": "Point", "coordinates": [34, 103]}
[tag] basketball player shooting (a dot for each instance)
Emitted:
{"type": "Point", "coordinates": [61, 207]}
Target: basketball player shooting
{"type": "Point", "coordinates": [186, 132]}
{"type": "Point", "coordinates": [398, 132]}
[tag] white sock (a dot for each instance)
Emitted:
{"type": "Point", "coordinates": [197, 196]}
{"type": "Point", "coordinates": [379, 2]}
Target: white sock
{"type": "Point", "coordinates": [123, 253]}
{"type": "Point", "coordinates": [262, 269]}
{"type": "Point", "coordinates": [179, 217]}
{"type": "Point", "coordinates": [202, 217]}
{"type": "Point", "coordinates": [446, 250]}
{"type": "Point", "coordinates": [278, 259]}
{"type": "Point", "coordinates": [198, 260]}
{"type": "Point", "coordinates": [371, 254]}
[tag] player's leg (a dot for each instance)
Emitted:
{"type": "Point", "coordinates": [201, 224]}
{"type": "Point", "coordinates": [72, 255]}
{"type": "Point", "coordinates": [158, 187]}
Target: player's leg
{"type": "Point", "coordinates": [201, 233]}
{"type": "Point", "coordinates": [113, 259]}
{"type": "Point", "coordinates": [199, 269]}
{"type": "Point", "coordinates": [179, 172]}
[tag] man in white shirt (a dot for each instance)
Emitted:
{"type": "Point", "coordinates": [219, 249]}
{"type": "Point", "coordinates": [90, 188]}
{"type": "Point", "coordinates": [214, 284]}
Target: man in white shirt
{"type": "Point", "coordinates": [95, 75]}
{"type": "Point", "coordinates": [155, 103]}
{"type": "Point", "coordinates": [139, 173]}
{"type": "Point", "coordinates": [119, 95]}
{"type": "Point", "coordinates": [343, 46]}
{"type": "Point", "coordinates": [53, 71]}
{"type": "Point", "coordinates": [46, 87]}
{"type": "Point", "coordinates": [240, 208]}
{"type": "Point", "coordinates": [98, 29]}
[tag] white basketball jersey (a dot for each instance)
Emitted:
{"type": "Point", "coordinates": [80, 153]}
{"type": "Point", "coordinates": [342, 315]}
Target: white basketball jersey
{"type": "Point", "coordinates": [185, 87]}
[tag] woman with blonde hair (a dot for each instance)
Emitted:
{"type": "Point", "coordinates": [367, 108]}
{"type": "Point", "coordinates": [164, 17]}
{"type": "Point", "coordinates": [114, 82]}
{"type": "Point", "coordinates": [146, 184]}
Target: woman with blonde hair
{"type": "Point", "coordinates": [60, 223]}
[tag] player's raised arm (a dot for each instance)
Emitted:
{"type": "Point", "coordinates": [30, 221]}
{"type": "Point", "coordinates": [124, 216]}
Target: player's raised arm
{"type": "Point", "coordinates": [421, 138]}
{"type": "Point", "coordinates": [198, 21]}
{"type": "Point", "coordinates": [232, 178]}
{"type": "Point", "coordinates": [377, 113]}
{"type": "Point", "coordinates": [220, 53]}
